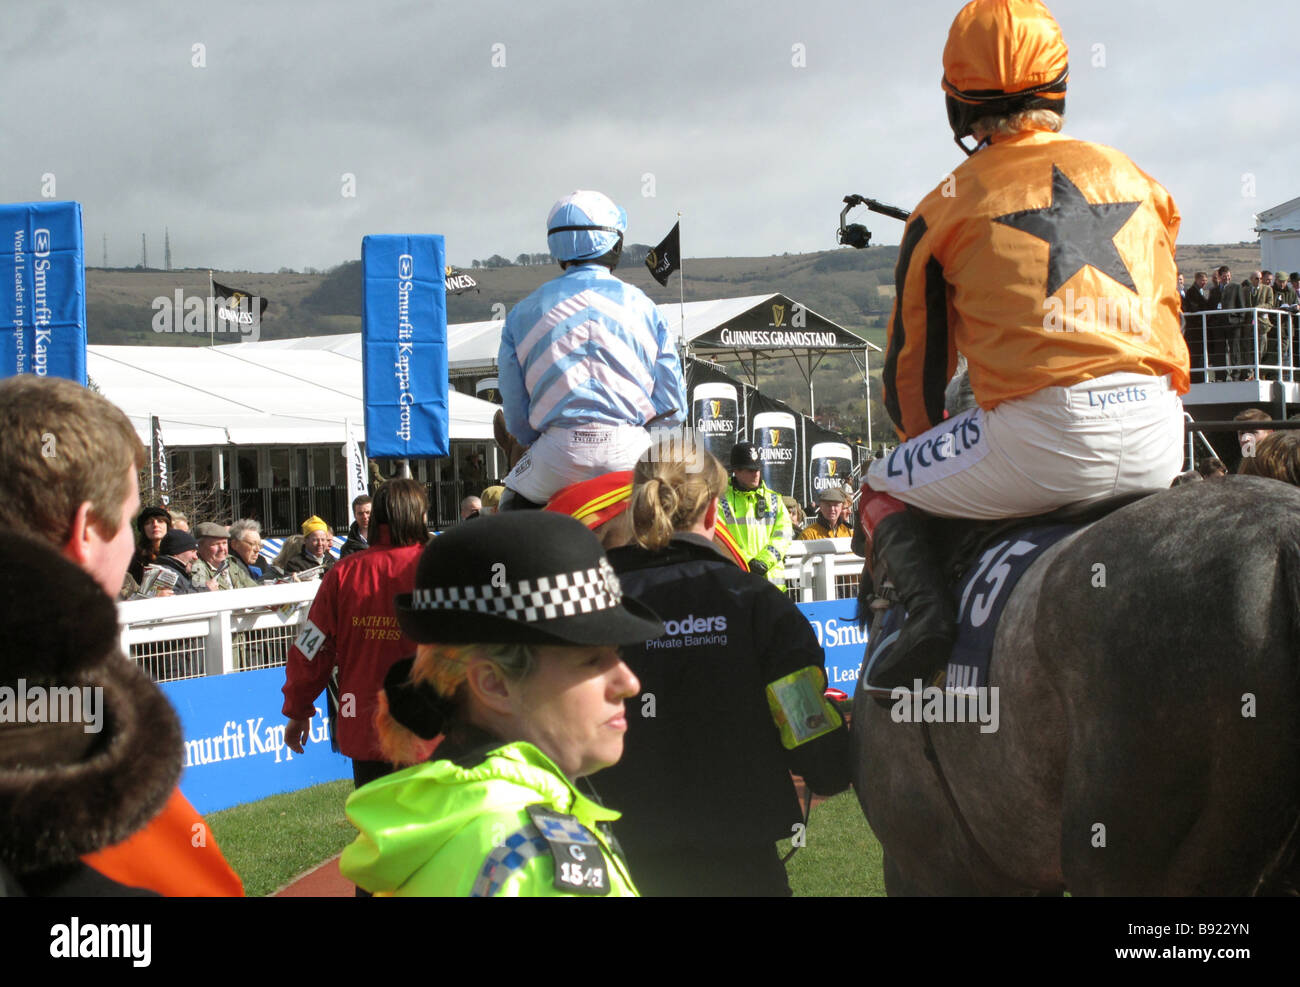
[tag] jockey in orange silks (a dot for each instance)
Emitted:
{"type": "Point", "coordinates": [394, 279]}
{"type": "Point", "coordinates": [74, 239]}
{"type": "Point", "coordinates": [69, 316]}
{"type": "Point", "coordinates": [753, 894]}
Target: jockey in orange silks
{"type": "Point", "coordinates": [1049, 264]}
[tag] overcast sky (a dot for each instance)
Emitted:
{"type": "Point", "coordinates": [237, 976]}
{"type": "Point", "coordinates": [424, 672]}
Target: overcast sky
{"type": "Point", "coordinates": [241, 146]}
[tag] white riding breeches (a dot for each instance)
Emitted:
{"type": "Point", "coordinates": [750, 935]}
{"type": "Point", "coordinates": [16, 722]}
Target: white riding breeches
{"type": "Point", "coordinates": [566, 455]}
{"type": "Point", "coordinates": [1061, 445]}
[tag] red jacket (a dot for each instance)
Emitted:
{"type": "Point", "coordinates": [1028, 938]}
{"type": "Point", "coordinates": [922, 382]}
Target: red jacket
{"type": "Point", "coordinates": [352, 624]}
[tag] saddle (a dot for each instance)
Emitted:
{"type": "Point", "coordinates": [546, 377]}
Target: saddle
{"type": "Point", "coordinates": [961, 541]}
{"type": "Point", "coordinates": [983, 561]}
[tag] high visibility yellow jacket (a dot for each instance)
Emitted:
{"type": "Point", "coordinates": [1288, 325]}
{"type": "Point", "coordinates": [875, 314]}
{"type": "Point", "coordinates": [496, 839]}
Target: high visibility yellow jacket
{"type": "Point", "coordinates": [1046, 261]}
{"type": "Point", "coordinates": [760, 525]}
{"type": "Point", "coordinates": [444, 829]}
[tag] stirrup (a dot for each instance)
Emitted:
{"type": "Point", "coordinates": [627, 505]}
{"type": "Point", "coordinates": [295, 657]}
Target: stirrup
{"type": "Point", "coordinates": [884, 598]}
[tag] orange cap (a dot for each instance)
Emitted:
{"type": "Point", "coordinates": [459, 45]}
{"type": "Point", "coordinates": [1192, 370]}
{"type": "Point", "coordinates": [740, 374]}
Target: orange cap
{"type": "Point", "coordinates": [1000, 48]}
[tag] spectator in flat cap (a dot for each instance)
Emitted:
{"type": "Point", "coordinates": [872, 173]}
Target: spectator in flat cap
{"type": "Point", "coordinates": [528, 691]}
{"type": "Point", "coordinates": [213, 564]}
{"type": "Point", "coordinates": [98, 759]}
{"type": "Point", "coordinates": [829, 522]}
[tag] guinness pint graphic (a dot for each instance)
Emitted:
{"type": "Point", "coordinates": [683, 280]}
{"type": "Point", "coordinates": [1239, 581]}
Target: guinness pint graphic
{"type": "Point", "coordinates": [829, 465]}
{"type": "Point", "coordinates": [774, 435]}
{"type": "Point", "coordinates": [488, 389]}
{"type": "Point", "coordinates": [714, 416]}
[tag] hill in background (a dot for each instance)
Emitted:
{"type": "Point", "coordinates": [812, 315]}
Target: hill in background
{"type": "Point", "coordinates": [851, 287]}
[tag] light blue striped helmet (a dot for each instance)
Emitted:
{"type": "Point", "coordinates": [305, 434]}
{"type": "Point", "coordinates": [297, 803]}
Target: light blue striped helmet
{"type": "Point", "coordinates": [584, 225]}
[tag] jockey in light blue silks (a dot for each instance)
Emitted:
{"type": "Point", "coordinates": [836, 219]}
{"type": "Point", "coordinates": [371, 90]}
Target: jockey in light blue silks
{"type": "Point", "coordinates": [586, 363]}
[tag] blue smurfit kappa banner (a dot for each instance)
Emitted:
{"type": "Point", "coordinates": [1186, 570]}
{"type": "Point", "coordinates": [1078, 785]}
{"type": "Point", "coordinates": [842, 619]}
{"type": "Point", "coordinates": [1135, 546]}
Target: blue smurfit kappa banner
{"type": "Point", "coordinates": [234, 740]}
{"type": "Point", "coordinates": [404, 345]}
{"type": "Point", "coordinates": [42, 290]}
{"type": "Point", "coordinates": [836, 627]}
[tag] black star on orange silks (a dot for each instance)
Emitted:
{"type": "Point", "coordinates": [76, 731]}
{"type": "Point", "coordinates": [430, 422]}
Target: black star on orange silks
{"type": "Point", "coordinates": [1077, 231]}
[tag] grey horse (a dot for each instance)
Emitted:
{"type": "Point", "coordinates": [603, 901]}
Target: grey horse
{"type": "Point", "coordinates": [1148, 730]}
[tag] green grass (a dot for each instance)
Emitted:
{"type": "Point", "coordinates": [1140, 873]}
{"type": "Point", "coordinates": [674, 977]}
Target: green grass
{"type": "Point", "coordinates": [840, 856]}
{"type": "Point", "coordinates": [271, 842]}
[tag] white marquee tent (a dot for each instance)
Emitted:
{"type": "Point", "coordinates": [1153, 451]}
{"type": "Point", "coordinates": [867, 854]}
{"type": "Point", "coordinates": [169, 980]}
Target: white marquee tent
{"type": "Point", "coordinates": [253, 393]}
{"type": "Point", "coordinates": [301, 391]}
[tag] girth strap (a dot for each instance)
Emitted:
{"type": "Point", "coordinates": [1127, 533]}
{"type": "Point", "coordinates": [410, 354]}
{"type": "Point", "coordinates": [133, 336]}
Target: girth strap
{"type": "Point", "coordinates": [932, 756]}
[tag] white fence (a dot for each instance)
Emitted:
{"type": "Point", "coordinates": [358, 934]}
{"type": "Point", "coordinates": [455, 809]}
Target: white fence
{"type": "Point", "coordinates": [184, 637]}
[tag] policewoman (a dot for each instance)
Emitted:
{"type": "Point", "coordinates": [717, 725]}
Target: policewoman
{"type": "Point", "coordinates": [731, 702]}
{"type": "Point", "coordinates": [517, 617]}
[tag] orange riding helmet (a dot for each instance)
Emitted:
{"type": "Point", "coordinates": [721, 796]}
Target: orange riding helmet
{"type": "Point", "coordinates": [1002, 56]}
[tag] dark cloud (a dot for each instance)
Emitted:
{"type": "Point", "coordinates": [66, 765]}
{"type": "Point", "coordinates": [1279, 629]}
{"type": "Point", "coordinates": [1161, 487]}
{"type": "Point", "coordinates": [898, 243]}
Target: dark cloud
{"type": "Point", "coordinates": [753, 119]}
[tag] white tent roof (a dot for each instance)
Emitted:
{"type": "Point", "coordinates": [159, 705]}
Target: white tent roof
{"type": "Point", "coordinates": [300, 391]}
{"type": "Point", "coordinates": [252, 393]}
{"type": "Point", "coordinates": [473, 345]}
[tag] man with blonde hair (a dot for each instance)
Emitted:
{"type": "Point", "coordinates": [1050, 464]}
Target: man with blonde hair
{"type": "Point", "coordinates": [69, 461]}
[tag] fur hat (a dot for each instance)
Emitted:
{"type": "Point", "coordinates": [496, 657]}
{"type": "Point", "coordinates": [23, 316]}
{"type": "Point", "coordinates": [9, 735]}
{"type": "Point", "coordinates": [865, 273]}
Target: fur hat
{"type": "Point", "coordinates": [152, 512]}
{"type": "Point", "coordinates": [111, 758]}
{"type": "Point", "coordinates": [527, 577]}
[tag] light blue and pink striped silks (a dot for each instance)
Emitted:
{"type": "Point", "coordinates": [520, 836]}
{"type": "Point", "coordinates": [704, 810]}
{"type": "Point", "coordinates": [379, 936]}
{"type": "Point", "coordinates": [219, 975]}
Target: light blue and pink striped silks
{"type": "Point", "coordinates": [587, 349]}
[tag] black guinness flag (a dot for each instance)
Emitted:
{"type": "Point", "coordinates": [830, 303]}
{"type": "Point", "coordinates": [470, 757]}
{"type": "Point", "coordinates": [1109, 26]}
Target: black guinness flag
{"type": "Point", "coordinates": [458, 282]}
{"type": "Point", "coordinates": [236, 308]}
{"type": "Point", "coordinates": [665, 258]}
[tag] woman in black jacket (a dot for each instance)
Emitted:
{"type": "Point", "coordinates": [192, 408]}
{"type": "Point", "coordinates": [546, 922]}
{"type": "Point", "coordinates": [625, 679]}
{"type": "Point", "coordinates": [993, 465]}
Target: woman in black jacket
{"type": "Point", "coordinates": [153, 523]}
{"type": "Point", "coordinates": [704, 785]}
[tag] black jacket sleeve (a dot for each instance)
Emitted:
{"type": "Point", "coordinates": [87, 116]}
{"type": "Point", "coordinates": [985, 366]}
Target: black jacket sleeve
{"type": "Point", "coordinates": [789, 644]}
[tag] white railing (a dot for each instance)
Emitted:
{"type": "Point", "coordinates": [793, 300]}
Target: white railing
{"type": "Point", "coordinates": [1256, 333]}
{"type": "Point", "coordinates": [824, 569]}
{"type": "Point", "coordinates": [236, 630]}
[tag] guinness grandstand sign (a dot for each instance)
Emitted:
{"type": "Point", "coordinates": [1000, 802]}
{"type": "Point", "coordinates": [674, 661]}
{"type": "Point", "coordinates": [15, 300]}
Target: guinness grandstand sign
{"type": "Point", "coordinates": [777, 322]}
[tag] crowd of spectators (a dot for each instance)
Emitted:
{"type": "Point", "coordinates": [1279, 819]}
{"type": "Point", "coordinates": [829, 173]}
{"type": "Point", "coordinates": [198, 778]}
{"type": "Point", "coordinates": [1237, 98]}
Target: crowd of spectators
{"type": "Point", "coordinates": [170, 560]}
{"type": "Point", "coordinates": [1220, 329]}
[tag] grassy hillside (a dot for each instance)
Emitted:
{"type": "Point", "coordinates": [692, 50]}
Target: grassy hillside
{"type": "Point", "coordinates": [851, 287]}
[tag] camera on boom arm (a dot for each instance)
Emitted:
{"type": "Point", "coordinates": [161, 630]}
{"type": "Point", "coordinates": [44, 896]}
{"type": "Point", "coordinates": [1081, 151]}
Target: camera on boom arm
{"type": "Point", "coordinates": [855, 234]}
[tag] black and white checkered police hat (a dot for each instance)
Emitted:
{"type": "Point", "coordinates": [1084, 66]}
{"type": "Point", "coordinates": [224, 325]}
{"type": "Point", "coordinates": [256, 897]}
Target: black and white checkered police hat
{"type": "Point", "coordinates": [527, 577]}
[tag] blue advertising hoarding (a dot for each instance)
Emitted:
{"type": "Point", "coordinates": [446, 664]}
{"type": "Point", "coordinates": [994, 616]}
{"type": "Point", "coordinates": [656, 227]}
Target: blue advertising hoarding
{"type": "Point", "coordinates": [233, 729]}
{"type": "Point", "coordinates": [404, 345]}
{"type": "Point", "coordinates": [837, 631]}
{"type": "Point", "coordinates": [234, 740]}
{"type": "Point", "coordinates": [43, 298]}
